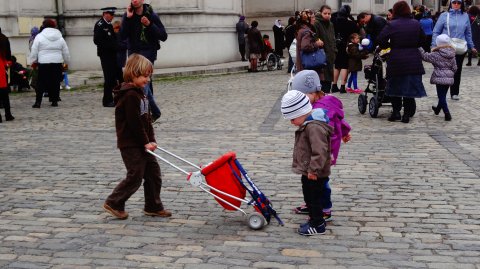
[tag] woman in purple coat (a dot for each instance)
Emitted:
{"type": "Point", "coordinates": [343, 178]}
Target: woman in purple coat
{"type": "Point", "coordinates": [404, 36]}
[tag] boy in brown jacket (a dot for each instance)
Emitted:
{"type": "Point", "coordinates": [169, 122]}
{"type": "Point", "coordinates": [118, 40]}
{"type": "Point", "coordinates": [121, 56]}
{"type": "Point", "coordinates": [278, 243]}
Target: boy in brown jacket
{"type": "Point", "coordinates": [135, 135]}
{"type": "Point", "coordinates": [311, 155]}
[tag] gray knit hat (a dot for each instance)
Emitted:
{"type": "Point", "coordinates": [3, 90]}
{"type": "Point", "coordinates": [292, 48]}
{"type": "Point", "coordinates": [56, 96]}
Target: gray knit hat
{"type": "Point", "coordinates": [306, 81]}
{"type": "Point", "coordinates": [295, 104]}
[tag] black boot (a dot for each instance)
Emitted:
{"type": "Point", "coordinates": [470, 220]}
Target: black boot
{"type": "Point", "coordinates": [9, 117]}
{"type": "Point", "coordinates": [448, 116]}
{"type": "Point", "coordinates": [335, 88]}
{"type": "Point", "coordinates": [436, 109]}
{"type": "Point", "coordinates": [0, 117]}
{"type": "Point", "coordinates": [342, 89]}
{"type": "Point", "coordinates": [36, 105]}
{"type": "Point", "coordinates": [395, 116]}
{"type": "Point", "coordinates": [405, 118]}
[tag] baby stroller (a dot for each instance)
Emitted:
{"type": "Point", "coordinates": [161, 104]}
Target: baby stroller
{"type": "Point", "coordinates": [377, 84]}
{"type": "Point", "coordinates": [227, 181]}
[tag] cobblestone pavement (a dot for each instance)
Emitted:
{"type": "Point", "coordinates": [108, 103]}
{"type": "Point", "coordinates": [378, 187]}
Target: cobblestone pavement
{"type": "Point", "coordinates": [405, 195]}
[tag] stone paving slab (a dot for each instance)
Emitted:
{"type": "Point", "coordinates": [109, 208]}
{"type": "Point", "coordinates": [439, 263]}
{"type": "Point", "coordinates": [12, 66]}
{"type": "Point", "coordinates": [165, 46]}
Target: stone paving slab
{"type": "Point", "coordinates": [404, 195]}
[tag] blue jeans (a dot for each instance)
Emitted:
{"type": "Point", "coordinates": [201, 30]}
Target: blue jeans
{"type": "Point", "coordinates": [353, 78]}
{"type": "Point", "coordinates": [326, 195]}
{"type": "Point", "coordinates": [442, 97]}
{"type": "Point", "coordinates": [153, 105]}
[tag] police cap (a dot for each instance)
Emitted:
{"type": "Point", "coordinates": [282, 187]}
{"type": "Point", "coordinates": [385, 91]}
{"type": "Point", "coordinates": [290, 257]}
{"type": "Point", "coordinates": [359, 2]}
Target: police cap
{"type": "Point", "coordinates": [109, 10]}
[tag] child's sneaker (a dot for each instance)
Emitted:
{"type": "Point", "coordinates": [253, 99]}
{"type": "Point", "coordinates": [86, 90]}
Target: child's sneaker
{"type": "Point", "coordinates": [350, 90]}
{"type": "Point", "coordinates": [327, 216]}
{"type": "Point", "coordinates": [303, 209]}
{"type": "Point", "coordinates": [358, 91]}
{"type": "Point", "coordinates": [68, 87]}
{"type": "Point", "coordinates": [308, 230]}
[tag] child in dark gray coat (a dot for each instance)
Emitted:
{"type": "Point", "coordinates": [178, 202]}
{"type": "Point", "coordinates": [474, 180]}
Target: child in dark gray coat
{"type": "Point", "coordinates": [443, 59]}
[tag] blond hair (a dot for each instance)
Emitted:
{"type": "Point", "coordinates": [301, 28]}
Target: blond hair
{"type": "Point", "coordinates": [136, 66]}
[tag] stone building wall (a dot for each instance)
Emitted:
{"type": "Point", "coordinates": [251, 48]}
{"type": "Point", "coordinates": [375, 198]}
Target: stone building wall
{"type": "Point", "coordinates": [201, 32]}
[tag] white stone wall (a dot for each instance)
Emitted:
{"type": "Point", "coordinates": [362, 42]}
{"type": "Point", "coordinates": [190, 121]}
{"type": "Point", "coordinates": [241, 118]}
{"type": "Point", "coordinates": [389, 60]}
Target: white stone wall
{"type": "Point", "coordinates": [201, 32]}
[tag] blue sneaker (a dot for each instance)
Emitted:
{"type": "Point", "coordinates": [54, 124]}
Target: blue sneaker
{"type": "Point", "coordinates": [308, 230]}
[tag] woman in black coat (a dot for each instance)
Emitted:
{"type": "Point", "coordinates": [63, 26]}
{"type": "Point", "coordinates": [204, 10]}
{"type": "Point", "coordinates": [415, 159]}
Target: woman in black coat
{"type": "Point", "coordinates": [279, 36]}
{"type": "Point", "coordinates": [404, 36]}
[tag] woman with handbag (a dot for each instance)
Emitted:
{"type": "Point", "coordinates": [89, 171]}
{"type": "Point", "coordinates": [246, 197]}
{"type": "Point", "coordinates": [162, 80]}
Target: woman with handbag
{"type": "Point", "coordinates": [456, 24]}
{"type": "Point", "coordinates": [404, 36]}
{"type": "Point", "coordinates": [307, 41]}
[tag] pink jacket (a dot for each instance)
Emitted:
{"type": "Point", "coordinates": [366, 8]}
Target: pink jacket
{"type": "Point", "coordinates": [341, 128]}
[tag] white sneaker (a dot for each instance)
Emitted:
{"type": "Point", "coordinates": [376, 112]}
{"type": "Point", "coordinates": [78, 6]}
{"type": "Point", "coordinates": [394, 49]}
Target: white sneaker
{"type": "Point", "coordinates": [68, 87]}
{"type": "Point", "coordinates": [61, 88]}
{"type": "Point", "coordinates": [455, 97]}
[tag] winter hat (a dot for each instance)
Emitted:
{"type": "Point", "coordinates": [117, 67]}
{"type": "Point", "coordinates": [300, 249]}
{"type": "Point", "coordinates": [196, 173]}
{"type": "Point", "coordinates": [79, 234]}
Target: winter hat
{"type": "Point", "coordinates": [306, 81]}
{"type": "Point", "coordinates": [442, 40]}
{"type": "Point", "coordinates": [295, 104]}
{"type": "Point", "coordinates": [242, 18]}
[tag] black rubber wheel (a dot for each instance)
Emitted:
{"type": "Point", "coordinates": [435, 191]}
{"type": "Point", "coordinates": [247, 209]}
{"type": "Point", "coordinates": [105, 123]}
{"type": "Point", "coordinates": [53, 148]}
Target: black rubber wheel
{"type": "Point", "coordinates": [271, 62]}
{"type": "Point", "coordinates": [373, 107]}
{"type": "Point", "coordinates": [362, 103]}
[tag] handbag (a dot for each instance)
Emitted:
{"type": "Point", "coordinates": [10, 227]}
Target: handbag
{"type": "Point", "coordinates": [458, 44]}
{"type": "Point", "coordinates": [313, 60]}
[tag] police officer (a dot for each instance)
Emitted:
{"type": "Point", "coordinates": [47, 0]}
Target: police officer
{"type": "Point", "coordinates": [106, 41]}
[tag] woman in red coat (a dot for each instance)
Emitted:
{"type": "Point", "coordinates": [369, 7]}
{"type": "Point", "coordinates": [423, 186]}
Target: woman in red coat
{"type": "Point", "coordinates": [5, 56]}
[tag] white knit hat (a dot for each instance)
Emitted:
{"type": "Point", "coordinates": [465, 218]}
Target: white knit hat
{"type": "Point", "coordinates": [295, 104]}
{"type": "Point", "coordinates": [306, 81]}
{"type": "Point", "coordinates": [442, 40]}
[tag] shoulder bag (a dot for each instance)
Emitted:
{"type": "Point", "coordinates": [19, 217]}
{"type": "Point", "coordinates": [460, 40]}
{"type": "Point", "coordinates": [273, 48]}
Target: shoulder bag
{"type": "Point", "coordinates": [458, 44]}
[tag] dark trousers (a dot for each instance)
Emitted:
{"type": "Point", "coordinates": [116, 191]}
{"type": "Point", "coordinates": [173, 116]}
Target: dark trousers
{"type": "Point", "coordinates": [241, 49]}
{"type": "Point", "coordinates": [455, 88]}
{"type": "Point", "coordinates": [312, 194]}
{"type": "Point", "coordinates": [110, 70]}
{"type": "Point", "coordinates": [5, 101]}
{"type": "Point", "coordinates": [407, 103]}
{"type": "Point", "coordinates": [49, 78]}
{"type": "Point", "coordinates": [140, 165]}
{"type": "Point", "coordinates": [442, 97]}
{"type": "Point", "coordinates": [290, 63]}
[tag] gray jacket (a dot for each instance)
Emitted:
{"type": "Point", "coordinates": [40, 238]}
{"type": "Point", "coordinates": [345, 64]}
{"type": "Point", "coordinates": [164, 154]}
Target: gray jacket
{"type": "Point", "coordinates": [445, 66]}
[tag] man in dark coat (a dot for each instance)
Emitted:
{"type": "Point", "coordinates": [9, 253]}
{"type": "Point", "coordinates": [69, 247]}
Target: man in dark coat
{"type": "Point", "coordinates": [106, 41]}
{"type": "Point", "coordinates": [255, 45]}
{"type": "Point", "coordinates": [373, 25]}
{"type": "Point", "coordinates": [144, 31]}
{"type": "Point", "coordinates": [241, 28]}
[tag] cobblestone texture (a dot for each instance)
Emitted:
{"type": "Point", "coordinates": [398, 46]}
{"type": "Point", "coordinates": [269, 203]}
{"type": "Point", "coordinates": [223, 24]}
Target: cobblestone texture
{"type": "Point", "coordinates": [405, 195]}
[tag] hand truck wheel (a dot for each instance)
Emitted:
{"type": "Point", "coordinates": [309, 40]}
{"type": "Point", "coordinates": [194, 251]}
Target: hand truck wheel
{"type": "Point", "coordinates": [255, 221]}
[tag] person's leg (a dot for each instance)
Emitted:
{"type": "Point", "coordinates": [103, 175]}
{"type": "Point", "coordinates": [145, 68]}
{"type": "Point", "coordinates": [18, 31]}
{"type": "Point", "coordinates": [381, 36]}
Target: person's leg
{"type": "Point", "coordinates": [344, 76]}
{"type": "Point", "coordinates": [455, 88]}
{"type": "Point", "coordinates": [442, 98]}
{"type": "Point", "coordinates": [241, 49]}
{"type": "Point", "coordinates": [5, 100]}
{"type": "Point", "coordinates": [152, 185]}
{"type": "Point", "coordinates": [327, 201]}
{"type": "Point", "coordinates": [54, 94]}
{"type": "Point", "coordinates": [408, 107]}
{"type": "Point", "coordinates": [469, 57]}
{"type": "Point", "coordinates": [110, 78]}
{"type": "Point", "coordinates": [312, 194]}
{"type": "Point", "coordinates": [65, 80]}
{"type": "Point", "coordinates": [396, 106]}
{"type": "Point", "coordinates": [135, 162]}
{"type": "Point", "coordinates": [353, 75]}
{"type": "Point", "coordinates": [350, 80]}
{"type": "Point", "coordinates": [151, 101]}
{"type": "Point", "coordinates": [41, 85]}
{"type": "Point", "coordinates": [290, 63]}
{"type": "Point", "coordinates": [336, 74]}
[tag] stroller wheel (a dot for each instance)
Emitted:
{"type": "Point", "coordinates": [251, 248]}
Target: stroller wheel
{"type": "Point", "coordinates": [362, 103]}
{"type": "Point", "coordinates": [373, 107]}
{"type": "Point", "coordinates": [256, 221]}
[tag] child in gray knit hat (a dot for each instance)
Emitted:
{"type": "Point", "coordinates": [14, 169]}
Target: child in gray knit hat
{"type": "Point", "coordinates": [311, 155]}
{"type": "Point", "coordinates": [308, 82]}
